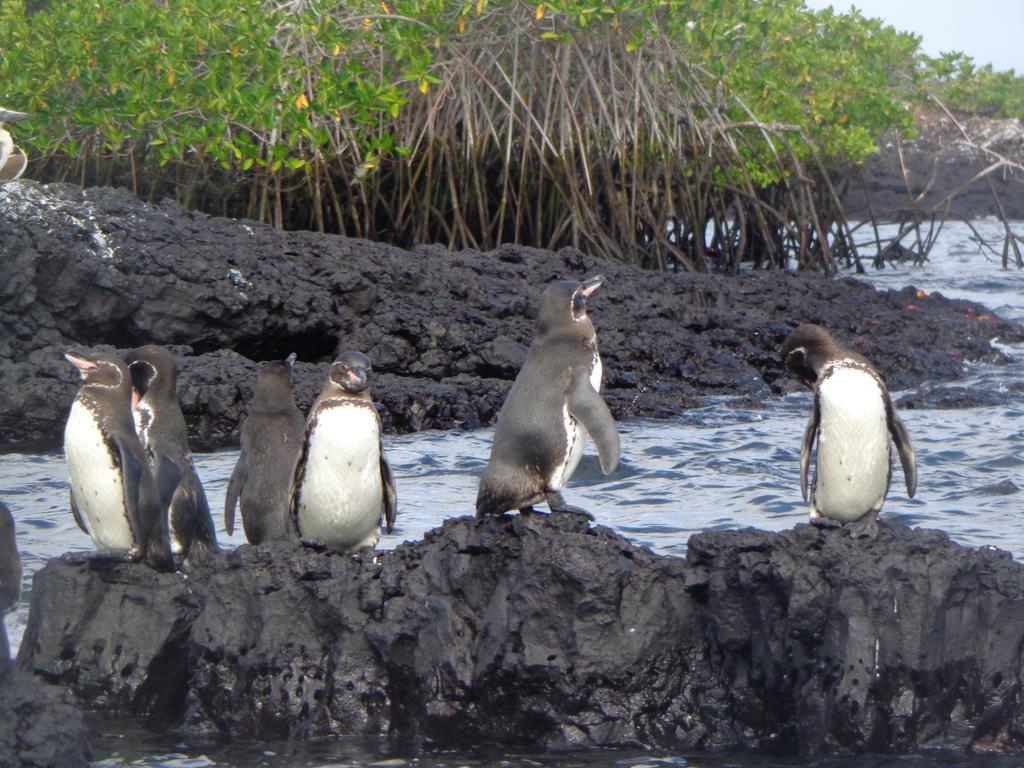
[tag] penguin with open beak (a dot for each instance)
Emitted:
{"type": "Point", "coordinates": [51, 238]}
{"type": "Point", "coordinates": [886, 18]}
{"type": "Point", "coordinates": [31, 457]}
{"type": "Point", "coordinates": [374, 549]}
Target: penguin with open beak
{"type": "Point", "coordinates": [554, 404]}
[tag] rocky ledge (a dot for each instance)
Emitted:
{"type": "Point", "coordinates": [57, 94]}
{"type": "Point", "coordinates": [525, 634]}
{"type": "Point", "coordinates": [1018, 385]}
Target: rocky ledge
{"type": "Point", "coordinates": [546, 631]}
{"type": "Point", "coordinates": [446, 331]}
{"type": "Point", "coordinates": [40, 727]}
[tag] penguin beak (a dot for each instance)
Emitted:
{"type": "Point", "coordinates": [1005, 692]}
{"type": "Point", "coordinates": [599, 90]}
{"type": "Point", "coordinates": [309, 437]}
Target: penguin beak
{"type": "Point", "coordinates": [290, 360]}
{"type": "Point", "coordinates": [10, 116]}
{"type": "Point", "coordinates": [351, 378]}
{"type": "Point", "coordinates": [83, 365]}
{"type": "Point", "coordinates": [357, 376]}
{"type": "Point", "coordinates": [591, 284]}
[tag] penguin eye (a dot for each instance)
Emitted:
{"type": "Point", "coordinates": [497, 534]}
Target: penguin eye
{"type": "Point", "coordinates": [110, 370]}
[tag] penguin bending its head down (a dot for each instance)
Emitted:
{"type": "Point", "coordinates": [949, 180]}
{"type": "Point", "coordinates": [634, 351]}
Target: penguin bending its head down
{"type": "Point", "coordinates": [272, 437]}
{"type": "Point", "coordinates": [10, 575]}
{"type": "Point", "coordinates": [114, 496]}
{"type": "Point", "coordinates": [854, 423]}
{"type": "Point", "coordinates": [343, 484]}
{"type": "Point", "coordinates": [553, 405]}
{"type": "Point", "coordinates": [161, 428]}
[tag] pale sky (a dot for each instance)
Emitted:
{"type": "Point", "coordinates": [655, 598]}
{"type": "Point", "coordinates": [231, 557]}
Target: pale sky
{"type": "Point", "coordinates": [989, 31]}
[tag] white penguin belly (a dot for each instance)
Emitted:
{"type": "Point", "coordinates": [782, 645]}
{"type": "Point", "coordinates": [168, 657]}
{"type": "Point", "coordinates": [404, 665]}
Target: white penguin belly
{"type": "Point", "coordinates": [575, 436]}
{"type": "Point", "coordinates": [342, 496]}
{"type": "Point", "coordinates": [852, 469]}
{"type": "Point", "coordinates": [596, 373]}
{"type": "Point", "coordinates": [96, 482]}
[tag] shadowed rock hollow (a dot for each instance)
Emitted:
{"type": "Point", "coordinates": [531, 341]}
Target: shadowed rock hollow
{"type": "Point", "coordinates": [544, 631]}
{"type": "Point", "coordinates": [446, 331]}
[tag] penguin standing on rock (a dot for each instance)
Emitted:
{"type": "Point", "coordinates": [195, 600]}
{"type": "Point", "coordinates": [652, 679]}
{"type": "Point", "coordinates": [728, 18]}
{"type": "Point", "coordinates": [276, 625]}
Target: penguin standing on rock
{"type": "Point", "coordinates": [272, 437]}
{"type": "Point", "coordinates": [854, 424]}
{"type": "Point", "coordinates": [552, 406]}
{"type": "Point", "coordinates": [343, 484]}
{"type": "Point", "coordinates": [161, 428]}
{"type": "Point", "coordinates": [10, 575]}
{"type": "Point", "coordinates": [114, 496]}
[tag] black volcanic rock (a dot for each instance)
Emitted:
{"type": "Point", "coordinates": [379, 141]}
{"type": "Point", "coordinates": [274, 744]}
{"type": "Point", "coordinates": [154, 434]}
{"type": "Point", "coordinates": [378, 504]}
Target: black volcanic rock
{"type": "Point", "coordinates": [940, 163]}
{"type": "Point", "coordinates": [446, 331]}
{"type": "Point", "coordinates": [544, 631]}
{"type": "Point", "coordinates": [956, 397]}
{"type": "Point", "coordinates": [40, 726]}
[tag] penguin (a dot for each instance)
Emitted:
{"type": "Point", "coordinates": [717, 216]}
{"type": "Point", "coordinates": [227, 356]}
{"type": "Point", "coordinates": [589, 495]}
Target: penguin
{"type": "Point", "coordinates": [12, 160]}
{"type": "Point", "coordinates": [343, 483]}
{"type": "Point", "coordinates": [272, 439]}
{"type": "Point", "coordinates": [115, 498]}
{"type": "Point", "coordinates": [10, 575]}
{"type": "Point", "coordinates": [553, 405]}
{"type": "Point", "coordinates": [855, 424]}
{"type": "Point", "coordinates": [160, 426]}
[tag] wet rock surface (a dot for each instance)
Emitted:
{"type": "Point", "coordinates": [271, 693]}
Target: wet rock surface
{"type": "Point", "coordinates": [446, 331]}
{"type": "Point", "coordinates": [545, 631]}
{"type": "Point", "coordinates": [40, 726]}
{"type": "Point", "coordinates": [956, 397]}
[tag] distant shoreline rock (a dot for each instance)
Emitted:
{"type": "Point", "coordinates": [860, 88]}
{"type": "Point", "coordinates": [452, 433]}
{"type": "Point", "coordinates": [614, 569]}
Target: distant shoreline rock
{"type": "Point", "coordinates": [939, 161]}
{"type": "Point", "coordinates": [544, 631]}
{"type": "Point", "coordinates": [446, 331]}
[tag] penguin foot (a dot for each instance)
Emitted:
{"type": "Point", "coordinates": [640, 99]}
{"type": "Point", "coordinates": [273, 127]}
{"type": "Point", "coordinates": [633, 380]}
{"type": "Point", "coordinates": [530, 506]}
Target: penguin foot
{"type": "Point", "coordinates": [557, 504]}
{"type": "Point", "coordinates": [76, 558]}
{"type": "Point", "coordinates": [865, 528]}
{"type": "Point", "coordinates": [314, 544]}
{"type": "Point", "coordinates": [581, 511]}
{"type": "Point", "coordinates": [825, 522]}
{"type": "Point", "coordinates": [366, 552]}
{"type": "Point", "coordinates": [528, 509]}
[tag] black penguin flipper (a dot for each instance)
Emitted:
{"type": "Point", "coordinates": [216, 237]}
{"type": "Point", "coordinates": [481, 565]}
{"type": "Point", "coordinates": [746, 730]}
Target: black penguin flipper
{"type": "Point", "coordinates": [167, 476]}
{"type": "Point", "coordinates": [155, 489]}
{"type": "Point", "coordinates": [899, 436]}
{"type": "Point", "coordinates": [190, 518]}
{"type": "Point", "coordinates": [590, 409]}
{"type": "Point", "coordinates": [390, 494]}
{"type": "Point", "coordinates": [78, 515]}
{"type": "Point", "coordinates": [810, 434]}
{"type": "Point", "coordinates": [146, 514]}
{"type": "Point", "coordinates": [235, 486]}
{"type": "Point", "coordinates": [131, 479]}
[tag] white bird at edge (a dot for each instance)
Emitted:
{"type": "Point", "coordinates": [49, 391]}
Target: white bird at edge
{"type": "Point", "coordinates": [12, 160]}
